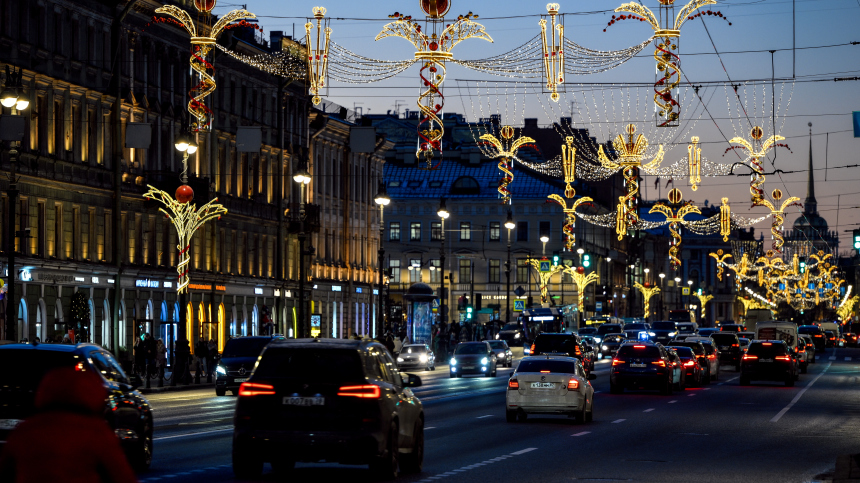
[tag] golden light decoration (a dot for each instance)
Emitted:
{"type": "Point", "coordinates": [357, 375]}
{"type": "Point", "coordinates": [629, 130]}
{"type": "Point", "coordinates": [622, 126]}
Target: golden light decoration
{"type": "Point", "coordinates": [433, 50]}
{"type": "Point", "coordinates": [582, 280]}
{"type": "Point", "coordinates": [721, 262]}
{"type": "Point", "coordinates": [568, 163]}
{"type": "Point", "coordinates": [778, 217]}
{"type": "Point", "coordinates": [318, 53]}
{"type": "Point", "coordinates": [675, 217]}
{"type": "Point", "coordinates": [544, 276]}
{"type": "Point", "coordinates": [202, 42]}
{"type": "Point", "coordinates": [506, 149]}
{"type": "Point", "coordinates": [694, 160]}
{"type": "Point", "coordinates": [569, 228]}
{"type": "Point", "coordinates": [725, 219]}
{"type": "Point", "coordinates": [553, 51]}
{"type": "Point", "coordinates": [754, 157]}
{"type": "Point", "coordinates": [704, 299]}
{"type": "Point", "coordinates": [647, 293]}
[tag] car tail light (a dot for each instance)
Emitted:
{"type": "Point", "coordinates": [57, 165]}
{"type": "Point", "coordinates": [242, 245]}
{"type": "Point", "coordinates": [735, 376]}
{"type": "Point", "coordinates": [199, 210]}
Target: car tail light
{"type": "Point", "coordinates": [256, 389]}
{"type": "Point", "coordinates": [577, 351]}
{"type": "Point", "coordinates": [616, 362]}
{"type": "Point", "coordinates": [749, 357]}
{"type": "Point", "coordinates": [712, 356]}
{"type": "Point", "coordinates": [513, 384]}
{"type": "Point", "coordinates": [532, 350]}
{"type": "Point", "coordinates": [659, 363]}
{"type": "Point", "coordinates": [689, 363]}
{"type": "Point", "coordinates": [638, 346]}
{"type": "Point", "coordinates": [818, 335]}
{"type": "Point", "coordinates": [801, 350]}
{"type": "Point", "coordinates": [736, 345]}
{"type": "Point", "coordinates": [783, 358]}
{"type": "Point", "coordinates": [544, 372]}
{"type": "Point", "coordinates": [766, 343]}
{"type": "Point", "coordinates": [572, 385]}
{"type": "Point", "coordinates": [367, 391]}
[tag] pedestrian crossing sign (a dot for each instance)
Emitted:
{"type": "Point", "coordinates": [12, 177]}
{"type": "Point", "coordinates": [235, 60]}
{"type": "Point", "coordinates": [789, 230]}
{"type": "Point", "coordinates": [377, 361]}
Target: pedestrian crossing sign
{"type": "Point", "coordinates": [685, 291]}
{"type": "Point", "coordinates": [545, 266]}
{"type": "Point", "coordinates": [519, 305]}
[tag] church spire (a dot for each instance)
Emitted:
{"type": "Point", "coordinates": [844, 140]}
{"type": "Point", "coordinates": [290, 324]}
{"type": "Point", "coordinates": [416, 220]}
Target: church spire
{"type": "Point", "coordinates": [810, 205]}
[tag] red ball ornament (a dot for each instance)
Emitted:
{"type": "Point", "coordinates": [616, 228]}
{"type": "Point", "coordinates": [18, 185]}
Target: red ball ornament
{"type": "Point", "coordinates": [434, 46]}
{"type": "Point", "coordinates": [184, 194]}
{"type": "Point", "coordinates": [580, 269]}
{"type": "Point", "coordinates": [205, 6]}
{"type": "Point", "coordinates": [647, 284]}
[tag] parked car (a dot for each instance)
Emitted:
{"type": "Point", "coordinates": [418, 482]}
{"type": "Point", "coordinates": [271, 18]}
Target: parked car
{"type": "Point", "coordinates": [550, 385]}
{"type": "Point", "coordinates": [664, 331]}
{"type": "Point", "coordinates": [473, 358]}
{"type": "Point", "coordinates": [342, 401]}
{"type": "Point", "coordinates": [237, 361]}
{"type": "Point", "coordinates": [769, 360]}
{"type": "Point", "coordinates": [730, 348]}
{"type": "Point", "coordinates": [694, 369]}
{"type": "Point", "coordinates": [126, 411]}
{"type": "Point", "coordinates": [513, 334]}
{"type": "Point", "coordinates": [611, 343]}
{"type": "Point", "coordinates": [641, 365]}
{"type": "Point", "coordinates": [679, 382]}
{"type": "Point", "coordinates": [418, 356]}
{"type": "Point", "coordinates": [504, 356]}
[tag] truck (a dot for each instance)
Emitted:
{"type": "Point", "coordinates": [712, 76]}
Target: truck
{"type": "Point", "coordinates": [778, 330]}
{"type": "Point", "coordinates": [754, 316]}
{"type": "Point", "coordinates": [833, 327]}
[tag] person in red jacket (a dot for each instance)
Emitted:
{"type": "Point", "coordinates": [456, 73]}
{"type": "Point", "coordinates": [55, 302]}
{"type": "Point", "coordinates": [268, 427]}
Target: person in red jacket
{"type": "Point", "coordinates": [67, 440]}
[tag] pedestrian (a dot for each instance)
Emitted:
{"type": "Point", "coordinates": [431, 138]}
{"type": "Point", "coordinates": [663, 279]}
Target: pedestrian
{"type": "Point", "coordinates": [149, 352]}
{"type": "Point", "coordinates": [183, 354]}
{"type": "Point", "coordinates": [398, 345]}
{"type": "Point", "coordinates": [211, 355]}
{"type": "Point", "coordinates": [139, 356]}
{"type": "Point", "coordinates": [160, 357]}
{"type": "Point", "coordinates": [67, 439]}
{"type": "Point", "coordinates": [389, 342]}
{"type": "Point", "coordinates": [201, 350]}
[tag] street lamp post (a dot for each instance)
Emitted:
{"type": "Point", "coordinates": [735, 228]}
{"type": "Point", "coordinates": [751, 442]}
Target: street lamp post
{"type": "Point", "coordinates": [302, 177]}
{"type": "Point", "coordinates": [609, 282]}
{"type": "Point", "coordinates": [382, 200]}
{"type": "Point", "coordinates": [510, 225]}
{"type": "Point", "coordinates": [689, 293]}
{"type": "Point", "coordinates": [662, 295]}
{"type": "Point", "coordinates": [677, 292]}
{"type": "Point", "coordinates": [13, 97]}
{"type": "Point", "coordinates": [443, 215]}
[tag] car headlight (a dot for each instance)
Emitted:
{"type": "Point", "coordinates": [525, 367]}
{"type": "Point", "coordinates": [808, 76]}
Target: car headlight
{"type": "Point", "coordinates": [497, 336]}
{"type": "Point", "coordinates": [598, 340]}
{"type": "Point", "coordinates": [399, 359]}
{"type": "Point", "coordinates": [517, 335]}
{"type": "Point", "coordinates": [453, 361]}
{"type": "Point", "coordinates": [651, 334]}
{"type": "Point", "coordinates": [672, 334]}
{"type": "Point", "coordinates": [605, 348]}
{"type": "Point", "coordinates": [221, 370]}
{"type": "Point", "coordinates": [484, 361]}
{"type": "Point", "coordinates": [423, 358]}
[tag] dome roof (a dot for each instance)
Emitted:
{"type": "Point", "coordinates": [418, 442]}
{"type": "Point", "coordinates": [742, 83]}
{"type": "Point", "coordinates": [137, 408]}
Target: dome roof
{"type": "Point", "coordinates": [810, 220]}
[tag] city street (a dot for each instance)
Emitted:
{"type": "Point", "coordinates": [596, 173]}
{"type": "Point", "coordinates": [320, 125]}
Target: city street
{"type": "Point", "coordinates": [721, 432]}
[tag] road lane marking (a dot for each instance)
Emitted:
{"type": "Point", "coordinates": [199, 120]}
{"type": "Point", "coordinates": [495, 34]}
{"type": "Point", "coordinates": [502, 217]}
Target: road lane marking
{"type": "Point", "coordinates": [690, 395]}
{"type": "Point", "coordinates": [523, 451]}
{"type": "Point", "coordinates": [648, 410]}
{"type": "Point", "coordinates": [187, 435]}
{"type": "Point", "coordinates": [581, 434]}
{"type": "Point", "coordinates": [618, 421]}
{"type": "Point", "coordinates": [673, 401]}
{"type": "Point", "coordinates": [797, 397]}
{"type": "Point", "coordinates": [706, 388]}
{"type": "Point", "coordinates": [487, 416]}
{"type": "Point", "coordinates": [832, 358]}
{"type": "Point", "coordinates": [732, 379]}
{"type": "Point", "coordinates": [429, 427]}
{"type": "Point", "coordinates": [847, 358]}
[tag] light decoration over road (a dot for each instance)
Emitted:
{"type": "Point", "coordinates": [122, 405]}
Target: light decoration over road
{"type": "Point", "coordinates": [582, 280]}
{"type": "Point", "coordinates": [506, 149]}
{"type": "Point", "coordinates": [318, 53]}
{"type": "Point", "coordinates": [647, 292]}
{"type": "Point", "coordinates": [704, 299]}
{"type": "Point", "coordinates": [202, 41]}
{"type": "Point", "coordinates": [553, 50]}
{"type": "Point", "coordinates": [754, 157]}
{"type": "Point", "coordinates": [544, 275]}
{"type": "Point", "coordinates": [569, 228]}
{"type": "Point", "coordinates": [778, 216]}
{"type": "Point", "coordinates": [675, 217]}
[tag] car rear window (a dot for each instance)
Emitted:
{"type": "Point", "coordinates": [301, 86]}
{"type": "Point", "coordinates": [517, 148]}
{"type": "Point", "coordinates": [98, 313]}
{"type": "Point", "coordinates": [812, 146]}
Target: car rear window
{"type": "Point", "coordinates": [240, 347]}
{"type": "Point", "coordinates": [684, 352]}
{"type": "Point", "coordinates": [686, 327]}
{"type": "Point", "coordinates": [648, 351]}
{"type": "Point", "coordinates": [762, 350]}
{"type": "Point", "coordinates": [694, 346]}
{"type": "Point", "coordinates": [608, 329]}
{"type": "Point", "coordinates": [663, 326]}
{"type": "Point", "coordinates": [30, 365]}
{"type": "Point", "coordinates": [471, 349]}
{"type": "Point", "coordinates": [725, 338]}
{"type": "Point", "coordinates": [537, 365]}
{"type": "Point", "coordinates": [554, 343]}
{"type": "Point", "coordinates": [809, 329]}
{"type": "Point", "coordinates": [316, 364]}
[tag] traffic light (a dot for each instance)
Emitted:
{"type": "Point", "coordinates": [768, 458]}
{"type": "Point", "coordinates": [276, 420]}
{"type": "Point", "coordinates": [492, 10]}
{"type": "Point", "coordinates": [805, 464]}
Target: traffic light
{"type": "Point", "coordinates": [556, 258]}
{"type": "Point", "coordinates": [586, 260]}
{"type": "Point", "coordinates": [803, 265]}
{"type": "Point", "coordinates": [468, 312]}
{"type": "Point", "coordinates": [857, 239]}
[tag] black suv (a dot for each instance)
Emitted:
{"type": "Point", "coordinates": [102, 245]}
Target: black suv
{"type": "Point", "coordinates": [769, 360]}
{"type": "Point", "coordinates": [340, 401]}
{"type": "Point", "coordinates": [730, 348]}
{"type": "Point", "coordinates": [237, 362]}
{"type": "Point", "coordinates": [701, 357]}
{"type": "Point", "coordinates": [664, 331]}
{"type": "Point", "coordinates": [640, 365]}
{"type": "Point", "coordinates": [512, 333]}
{"type": "Point", "coordinates": [126, 410]}
{"type": "Point", "coordinates": [563, 344]}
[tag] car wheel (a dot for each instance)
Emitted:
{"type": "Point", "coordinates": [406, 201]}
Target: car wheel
{"type": "Point", "coordinates": [589, 416]}
{"type": "Point", "coordinates": [385, 466]}
{"type": "Point", "coordinates": [579, 416]}
{"type": "Point", "coordinates": [708, 376]}
{"type": "Point", "coordinates": [510, 416]}
{"type": "Point", "coordinates": [615, 388]}
{"type": "Point", "coordinates": [143, 455]}
{"type": "Point", "coordinates": [246, 464]}
{"type": "Point", "coordinates": [220, 391]}
{"type": "Point", "coordinates": [414, 461]}
{"type": "Point", "coordinates": [716, 374]}
{"type": "Point", "coordinates": [522, 416]}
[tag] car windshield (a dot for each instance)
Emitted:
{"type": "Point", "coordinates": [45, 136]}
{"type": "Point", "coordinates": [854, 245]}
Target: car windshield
{"type": "Point", "coordinates": [695, 346]}
{"type": "Point", "coordinates": [317, 364]}
{"type": "Point", "coordinates": [684, 352]}
{"type": "Point", "coordinates": [414, 349]}
{"type": "Point", "coordinates": [679, 316]}
{"type": "Point", "coordinates": [546, 343]}
{"type": "Point", "coordinates": [245, 347]}
{"type": "Point", "coordinates": [496, 344]}
{"type": "Point", "coordinates": [555, 366]}
{"type": "Point", "coordinates": [588, 330]}
{"type": "Point", "coordinates": [809, 329]}
{"type": "Point", "coordinates": [608, 329]}
{"type": "Point", "coordinates": [471, 349]}
{"type": "Point", "coordinates": [766, 349]}
{"type": "Point", "coordinates": [636, 326]}
{"type": "Point", "coordinates": [663, 326]}
{"type": "Point", "coordinates": [632, 350]}
{"type": "Point", "coordinates": [724, 338]}
{"type": "Point", "coordinates": [614, 338]}
{"type": "Point", "coordinates": [510, 327]}
{"type": "Point", "coordinates": [30, 365]}
{"type": "Point", "coordinates": [686, 327]}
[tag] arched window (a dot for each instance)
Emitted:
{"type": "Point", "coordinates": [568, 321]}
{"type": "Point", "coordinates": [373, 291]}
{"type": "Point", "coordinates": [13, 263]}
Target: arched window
{"type": "Point", "coordinates": [189, 325]}
{"type": "Point", "coordinates": [58, 319]}
{"type": "Point", "coordinates": [201, 317]}
{"type": "Point", "coordinates": [106, 315]}
{"type": "Point", "coordinates": [121, 325]}
{"type": "Point", "coordinates": [220, 328]}
{"type": "Point", "coordinates": [465, 185]}
{"type": "Point", "coordinates": [40, 322]}
{"type": "Point", "coordinates": [149, 316]}
{"type": "Point", "coordinates": [255, 319]}
{"type": "Point", "coordinates": [92, 321]}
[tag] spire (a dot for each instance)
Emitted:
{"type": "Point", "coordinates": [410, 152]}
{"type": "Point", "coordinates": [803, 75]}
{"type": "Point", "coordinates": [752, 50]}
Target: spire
{"type": "Point", "coordinates": [810, 205]}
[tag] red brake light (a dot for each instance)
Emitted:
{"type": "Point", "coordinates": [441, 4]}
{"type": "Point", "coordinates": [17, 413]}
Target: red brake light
{"type": "Point", "coordinates": [766, 343]}
{"type": "Point", "coordinates": [659, 363]}
{"type": "Point", "coordinates": [532, 350]}
{"type": "Point", "coordinates": [513, 384]}
{"type": "Point", "coordinates": [256, 389]}
{"type": "Point", "coordinates": [578, 352]}
{"type": "Point", "coordinates": [616, 362]}
{"type": "Point", "coordinates": [367, 391]}
{"type": "Point", "coordinates": [736, 345]}
{"type": "Point", "coordinates": [690, 363]}
{"type": "Point", "coordinates": [748, 357]}
{"type": "Point", "coordinates": [783, 358]}
{"type": "Point", "coordinates": [638, 346]}
{"type": "Point", "coordinates": [572, 385]}
{"type": "Point", "coordinates": [544, 372]}
{"type": "Point", "coordinates": [818, 335]}
{"type": "Point", "coordinates": [712, 356]}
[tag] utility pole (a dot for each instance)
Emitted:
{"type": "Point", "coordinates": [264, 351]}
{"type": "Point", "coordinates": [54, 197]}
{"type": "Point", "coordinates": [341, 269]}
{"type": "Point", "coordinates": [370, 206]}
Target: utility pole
{"type": "Point", "coordinates": [279, 202]}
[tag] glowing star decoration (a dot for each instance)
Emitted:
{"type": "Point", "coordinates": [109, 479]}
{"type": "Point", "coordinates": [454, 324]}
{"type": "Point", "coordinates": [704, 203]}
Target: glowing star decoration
{"type": "Point", "coordinates": [754, 157]}
{"type": "Point", "coordinates": [630, 155]}
{"type": "Point", "coordinates": [318, 53]}
{"type": "Point", "coordinates": [666, 47]}
{"type": "Point", "coordinates": [777, 211]}
{"type": "Point", "coordinates": [582, 280]}
{"type": "Point", "coordinates": [704, 299]}
{"type": "Point", "coordinates": [647, 293]}
{"type": "Point", "coordinates": [544, 276]}
{"type": "Point", "coordinates": [694, 161]}
{"type": "Point", "coordinates": [553, 50]}
{"type": "Point", "coordinates": [675, 218]}
{"type": "Point", "coordinates": [569, 228]}
{"type": "Point", "coordinates": [721, 262]}
{"type": "Point", "coordinates": [202, 42]}
{"type": "Point", "coordinates": [506, 149]}
{"type": "Point", "coordinates": [433, 50]}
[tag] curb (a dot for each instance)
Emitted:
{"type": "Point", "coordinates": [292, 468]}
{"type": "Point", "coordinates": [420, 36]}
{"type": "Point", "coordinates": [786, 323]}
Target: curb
{"type": "Point", "coordinates": [178, 387]}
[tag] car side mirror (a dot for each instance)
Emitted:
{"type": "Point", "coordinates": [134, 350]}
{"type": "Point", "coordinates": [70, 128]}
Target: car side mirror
{"type": "Point", "coordinates": [592, 376]}
{"type": "Point", "coordinates": [412, 381]}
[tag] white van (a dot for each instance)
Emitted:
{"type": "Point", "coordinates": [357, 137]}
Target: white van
{"type": "Point", "coordinates": [775, 330]}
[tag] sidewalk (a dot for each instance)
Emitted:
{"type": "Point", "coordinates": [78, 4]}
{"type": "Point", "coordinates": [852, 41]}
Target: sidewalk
{"type": "Point", "coordinates": [154, 389]}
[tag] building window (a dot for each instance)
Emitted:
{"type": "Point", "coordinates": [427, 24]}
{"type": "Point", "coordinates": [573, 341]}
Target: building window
{"type": "Point", "coordinates": [495, 271]}
{"type": "Point", "coordinates": [544, 229]}
{"type": "Point", "coordinates": [415, 231]}
{"type": "Point", "coordinates": [394, 270]}
{"type": "Point", "coordinates": [495, 231]}
{"type": "Point", "coordinates": [465, 271]}
{"type": "Point", "coordinates": [414, 270]}
{"type": "Point", "coordinates": [522, 231]}
{"type": "Point", "coordinates": [435, 231]}
{"type": "Point", "coordinates": [465, 231]}
{"type": "Point", "coordinates": [522, 270]}
{"type": "Point", "coordinates": [435, 271]}
{"type": "Point", "coordinates": [394, 231]}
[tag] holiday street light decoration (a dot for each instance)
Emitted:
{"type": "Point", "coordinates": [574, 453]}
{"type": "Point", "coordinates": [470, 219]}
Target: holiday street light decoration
{"type": "Point", "coordinates": [202, 41]}
{"type": "Point", "coordinates": [778, 211]}
{"type": "Point", "coordinates": [704, 299]}
{"type": "Point", "coordinates": [569, 228]}
{"type": "Point", "coordinates": [539, 265]}
{"type": "Point", "coordinates": [666, 33]}
{"type": "Point", "coordinates": [318, 53]}
{"type": "Point", "coordinates": [647, 292]}
{"type": "Point", "coordinates": [754, 157]}
{"type": "Point", "coordinates": [553, 50]}
{"type": "Point", "coordinates": [433, 50]}
{"type": "Point", "coordinates": [721, 262]}
{"type": "Point", "coordinates": [506, 149]}
{"type": "Point", "coordinates": [675, 217]}
{"type": "Point", "coordinates": [582, 280]}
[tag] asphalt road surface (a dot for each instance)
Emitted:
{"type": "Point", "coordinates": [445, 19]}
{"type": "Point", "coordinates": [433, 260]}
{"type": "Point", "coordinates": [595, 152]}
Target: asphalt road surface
{"type": "Point", "coordinates": [718, 433]}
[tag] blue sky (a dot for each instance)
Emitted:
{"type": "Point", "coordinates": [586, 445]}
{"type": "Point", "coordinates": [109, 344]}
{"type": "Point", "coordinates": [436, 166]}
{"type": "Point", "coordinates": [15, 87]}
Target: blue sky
{"type": "Point", "coordinates": [757, 25]}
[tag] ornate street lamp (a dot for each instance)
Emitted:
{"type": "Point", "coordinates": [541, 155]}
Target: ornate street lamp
{"type": "Point", "coordinates": [382, 200]}
{"type": "Point", "coordinates": [510, 225]}
{"type": "Point", "coordinates": [443, 215]}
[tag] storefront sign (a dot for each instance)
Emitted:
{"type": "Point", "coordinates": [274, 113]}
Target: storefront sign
{"type": "Point", "coordinates": [258, 291]}
{"type": "Point", "coordinates": [206, 286]}
{"type": "Point", "coordinates": [357, 289]}
{"type": "Point", "coordinates": [376, 291]}
{"type": "Point", "coordinates": [25, 276]}
{"type": "Point", "coordinates": [55, 278]}
{"type": "Point", "coordinates": [166, 284]}
{"type": "Point", "coordinates": [80, 279]}
{"type": "Point", "coordinates": [316, 322]}
{"type": "Point", "coordinates": [147, 283]}
{"type": "Point", "coordinates": [95, 280]}
{"type": "Point", "coordinates": [277, 292]}
{"type": "Point", "coordinates": [336, 288]}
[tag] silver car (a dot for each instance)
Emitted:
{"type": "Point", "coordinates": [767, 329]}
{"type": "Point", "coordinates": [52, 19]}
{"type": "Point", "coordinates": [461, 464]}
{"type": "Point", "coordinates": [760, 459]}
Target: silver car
{"type": "Point", "coordinates": [418, 356]}
{"type": "Point", "coordinates": [550, 385]}
{"type": "Point", "coordinates": [504, 356]}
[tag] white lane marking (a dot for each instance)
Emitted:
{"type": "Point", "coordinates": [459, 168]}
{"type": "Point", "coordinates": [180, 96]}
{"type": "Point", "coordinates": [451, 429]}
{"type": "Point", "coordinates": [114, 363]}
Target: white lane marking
{"type": "Point", "coordinates": [847, 358]}
{"type": "Point", "coordinates": [487, 416]}
{"type": "Point", "coordinates": [192, 434]}
{"type": "Point", "coordinates": [618, 421]}
{"type": "Point", "coordinates": [429, 427]}
{"type": "Point", "coordinates": [732, 379]}
{"type": "Point", "coordinates": [595, 392]}
{"type": "Point", "coordinates": [523, 451]}
{"type": "Point", "coordinates": [690, 395]}
{"type": "Point", "coordinates": [673, 401]}
{"type": "Point", "coordinates": [706, 388]}
{"type": "Point", "coordinates": [648, 410]}
{"type": "Point", "coordinates": [797, 397]}
{"type": "Point", "coordinates": [581, 434]}
{"type": "Point", "coordinates": [832, 358]}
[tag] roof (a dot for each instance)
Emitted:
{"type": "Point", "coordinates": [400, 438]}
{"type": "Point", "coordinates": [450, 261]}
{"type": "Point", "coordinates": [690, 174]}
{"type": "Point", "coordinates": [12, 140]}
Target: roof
{"type": "Point", "coordinates": [50, 347]}
{"type": "Point", "coordinates": [321, 343]}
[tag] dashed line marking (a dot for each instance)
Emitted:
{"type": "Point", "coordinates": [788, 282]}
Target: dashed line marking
{"type": "Point", "coordinates": [583, 433]}
{"type": "Point", "coordinates": [618, 421]}
{"type": "Point", "coordinates": [487, 416]}
{"type": "Point", "coordinates": [429, 427]}
{"type": "Point", "coordinates": [847, 358]}
{"type": "Point", "coordinates": [648, 410]}
{"type": "Point", "coordinates": [706, 388]}
{"type": "Point", "coordinates": [832, 358]}
{"type": "Point", "coordinates": [523, 451]}
{"type": "Point", "coordinates": [673, 401]}
{"type": "Point", "coordinates": [732, 379]}
{"type": "Point", "coordinates": [690, 395]}
{"type": "Point", "coordinates": [797, 397]}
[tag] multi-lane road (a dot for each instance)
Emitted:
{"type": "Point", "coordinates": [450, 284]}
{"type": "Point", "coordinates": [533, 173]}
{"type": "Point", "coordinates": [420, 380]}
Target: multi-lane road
{"type": "Point", "coordinates": [717, 433]}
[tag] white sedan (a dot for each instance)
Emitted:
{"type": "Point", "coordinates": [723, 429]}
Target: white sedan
{"type": "Point", "coordinates": [550, 385]}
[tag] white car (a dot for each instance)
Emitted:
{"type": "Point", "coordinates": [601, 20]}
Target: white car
{"type": "Point", "coordinates": [550, 385]}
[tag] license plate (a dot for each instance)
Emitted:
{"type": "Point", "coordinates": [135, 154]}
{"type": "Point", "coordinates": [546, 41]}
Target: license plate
{"type": "Point", "coordinates": [468, 367]}
{"type": "Point", "coordinates": [240, 379]}
{"type": "Point", "coordinates": [543, 385]}
{"type": "Point", "coordinates": [765, 360]}
{"type": "Point", "coordinates": [304, 401]}
{"type": "Point", "coordinates": [9, 423]}
{"type": "Point", "coordinates": [724, 347]}
{"type": "Point", "coordinates": [638, 365]}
